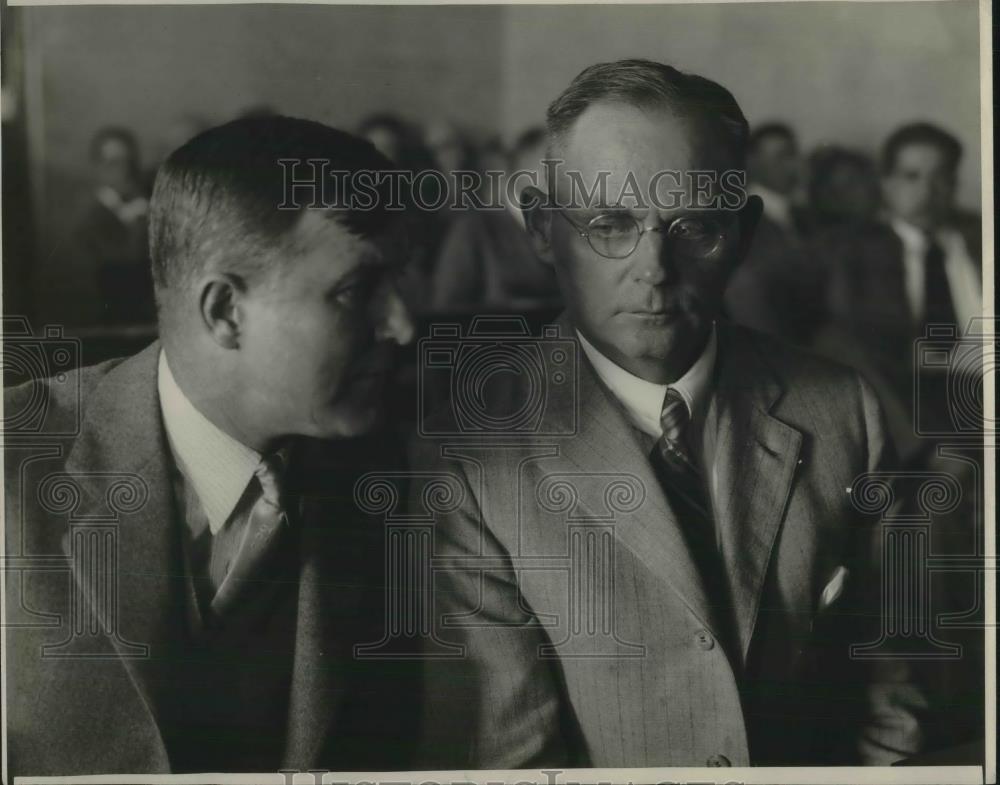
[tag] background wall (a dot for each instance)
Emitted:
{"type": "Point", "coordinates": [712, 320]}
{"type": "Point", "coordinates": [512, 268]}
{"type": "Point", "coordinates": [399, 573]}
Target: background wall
{"type": "Point", "coordinates": [838, 72]}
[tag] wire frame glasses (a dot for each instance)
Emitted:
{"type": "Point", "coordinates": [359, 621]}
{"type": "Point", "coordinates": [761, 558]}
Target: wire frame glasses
{"type": "Point", "coordinates": [617, 235]}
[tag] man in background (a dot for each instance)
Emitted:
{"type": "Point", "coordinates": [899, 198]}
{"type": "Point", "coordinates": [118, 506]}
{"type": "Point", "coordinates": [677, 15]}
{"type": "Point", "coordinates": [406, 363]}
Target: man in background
{"type": "Point", "coordinates": [110, 241]}
{"type": "Point", "coordinates": [778, 286]}
{"type": "Point", "coordinates": [223, 639]}
{"type": "Point", "coordinates": [486, 259]}
{"type": "Point", "coordinates": [919, 265]}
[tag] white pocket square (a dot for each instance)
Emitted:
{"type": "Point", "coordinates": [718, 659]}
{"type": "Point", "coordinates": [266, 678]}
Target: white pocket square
{"type": "Point", "coordinates": [834, 588]}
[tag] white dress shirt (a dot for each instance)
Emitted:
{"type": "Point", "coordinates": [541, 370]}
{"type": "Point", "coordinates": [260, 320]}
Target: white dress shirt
{"type": "Point", "coordinates": [214, 465]}
{"type": "Point", "coordinates": [959, 268]}
{"type": "Point", "coordinates": [642, 401]}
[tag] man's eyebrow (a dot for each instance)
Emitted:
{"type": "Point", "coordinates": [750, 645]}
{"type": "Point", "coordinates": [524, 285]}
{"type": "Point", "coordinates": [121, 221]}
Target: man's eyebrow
{"type": "Point", "coordinates": [602, 209]}
{"type": "Point", "coordinates": [356, 270]}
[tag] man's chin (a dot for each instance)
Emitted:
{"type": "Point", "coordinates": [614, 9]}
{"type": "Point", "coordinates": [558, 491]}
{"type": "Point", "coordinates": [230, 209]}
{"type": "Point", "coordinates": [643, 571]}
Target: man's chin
{"type": "Point", "coordinates": [659, 338]}
{"type": "Point", "coordinates": [350, 421]}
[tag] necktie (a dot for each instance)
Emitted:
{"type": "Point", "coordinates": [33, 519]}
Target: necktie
{"type": "Point", "coordinates": [685, 490]}
{"type": "Point", "coordinates": [681, 472]}
{"type": "Point", "coordinates": [938, 308]}
{"type": "Point", "coordinates": [267, 520]}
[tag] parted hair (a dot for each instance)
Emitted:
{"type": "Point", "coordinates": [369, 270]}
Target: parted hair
{"type": "Point", "coordinates": [644, 83]}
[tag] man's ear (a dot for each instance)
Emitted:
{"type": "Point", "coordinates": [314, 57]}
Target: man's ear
{"type": "Point", "coordinates": [538, 222]}
{"type": "Point", "coordinates": [220, 308]}
{"type": "Point", "coordinates": [749, 219]}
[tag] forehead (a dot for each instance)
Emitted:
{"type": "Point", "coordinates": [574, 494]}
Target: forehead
{"type": "Point", "coordinates": [920, 156]}
{"type": "Point", "coordinates": [113, 147]}
{"type": "Point", "coordinates": [775, 144]}
{"type": "Point", "coordinates": [328, 250]}
{"type": "Point", "coordinates": [625, 140]}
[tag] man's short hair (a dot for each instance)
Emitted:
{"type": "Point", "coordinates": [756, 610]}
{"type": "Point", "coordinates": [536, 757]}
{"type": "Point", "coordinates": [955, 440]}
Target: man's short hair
{"type": "Point", "coordinates": [645, 83]}
{"type": "Point", "coordinates": [762, 132]}
{"type": "Point", "coordinates": [215, 202]}
{"type": "Point", "coordinates": [117, 133]}
{"type": "Point", "coordinates": [922, 134]}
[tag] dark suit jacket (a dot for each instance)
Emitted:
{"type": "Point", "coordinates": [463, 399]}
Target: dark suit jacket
{"type": "Point", "coordinates": [94, 576]}
{"type": "Point", "coordinates": [867, 299]}
{"type": "Point", "coordinates": [589, 637]}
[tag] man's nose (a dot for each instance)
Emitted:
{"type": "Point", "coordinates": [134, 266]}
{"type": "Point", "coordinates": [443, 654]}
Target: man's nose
{"type": "Point", "coordinates": [393, 321]}
{"type": "Point", "coordinates": [653, 263]}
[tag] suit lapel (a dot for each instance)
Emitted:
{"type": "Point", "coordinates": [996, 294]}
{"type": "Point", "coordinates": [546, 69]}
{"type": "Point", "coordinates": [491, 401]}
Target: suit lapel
{"type": "Point", "coordinates": [652, 533]}
{"type": "Point", "coordinates": [119, 465]}
{"type": "Point", "coordinates": [756, 458]}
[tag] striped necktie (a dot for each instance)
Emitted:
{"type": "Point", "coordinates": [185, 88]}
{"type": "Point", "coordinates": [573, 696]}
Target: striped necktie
{"type": "Point", "coordinates": [688, 496]}
{"type": "Point", "coordinates": [681, 472]}
{"type": "Point", "coordinates": [267, 520]}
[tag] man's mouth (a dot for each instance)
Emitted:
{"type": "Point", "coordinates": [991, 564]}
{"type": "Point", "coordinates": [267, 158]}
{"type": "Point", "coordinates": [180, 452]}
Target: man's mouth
{"type": "Point", "coordinates": [656, 311]}
{"type": "Point", "coordinates": [656, 317]}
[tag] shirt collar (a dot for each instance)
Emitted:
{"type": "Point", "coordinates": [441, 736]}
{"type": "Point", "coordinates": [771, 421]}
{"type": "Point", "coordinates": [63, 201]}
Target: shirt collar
{"type": "Point", "coordinates": [642, 400]}
{"type": "Point", "coordinates": [914, 239]}
{"type": "Point", "coordinates": [218, 467]}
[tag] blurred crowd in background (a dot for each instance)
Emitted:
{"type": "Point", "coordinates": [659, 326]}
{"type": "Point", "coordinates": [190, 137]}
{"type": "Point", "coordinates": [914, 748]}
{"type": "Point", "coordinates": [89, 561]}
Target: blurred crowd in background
{"type": "Point", "coordinates": [854, 256]}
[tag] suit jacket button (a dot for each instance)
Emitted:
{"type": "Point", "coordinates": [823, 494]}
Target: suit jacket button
{"type": "Point", "coordinates": [717, 760]}
{"type": "Point", "coordinates": [704, 640]}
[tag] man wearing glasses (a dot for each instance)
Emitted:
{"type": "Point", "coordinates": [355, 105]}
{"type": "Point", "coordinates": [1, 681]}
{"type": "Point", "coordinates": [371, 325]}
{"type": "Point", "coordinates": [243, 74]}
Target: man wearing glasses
{"type": "Point", "coordinates": [675, 578]}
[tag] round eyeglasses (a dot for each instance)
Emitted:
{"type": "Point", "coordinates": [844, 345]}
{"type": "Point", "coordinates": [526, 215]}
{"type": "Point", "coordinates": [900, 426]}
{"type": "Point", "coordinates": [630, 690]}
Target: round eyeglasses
{"type": "Point", "coordinates": [617, 235]}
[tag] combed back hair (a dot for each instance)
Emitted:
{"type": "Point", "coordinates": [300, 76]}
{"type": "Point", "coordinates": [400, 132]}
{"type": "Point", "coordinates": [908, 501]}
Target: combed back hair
{"type": "Point", "coordinates": [215, 202]}
{"type": "Point", "coordinates": [762, 132]}
{"type": "Point", "coordinates": [645, 83]}
{"type": "Point", "coordinates": [922, 134]}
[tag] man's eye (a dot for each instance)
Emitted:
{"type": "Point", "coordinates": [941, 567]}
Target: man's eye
{"type": "Point", "coordinates": [610, 226]}
{"type": "Point", "coordinates": [353, 294]}
{"type": "Point", "coordinates": [691, 230]}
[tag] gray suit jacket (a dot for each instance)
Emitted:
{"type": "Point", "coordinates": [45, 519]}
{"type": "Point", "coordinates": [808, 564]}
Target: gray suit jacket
{"type": "Point", "coordinates": [586, 634]}
{"type": "Point", "coordinates": [91, 542]}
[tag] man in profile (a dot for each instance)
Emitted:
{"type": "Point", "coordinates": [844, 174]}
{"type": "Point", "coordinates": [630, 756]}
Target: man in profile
{"type": "Point", "coordinates": [223, 638]}
{"type": "Point", "coordinates": [670, 572]}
